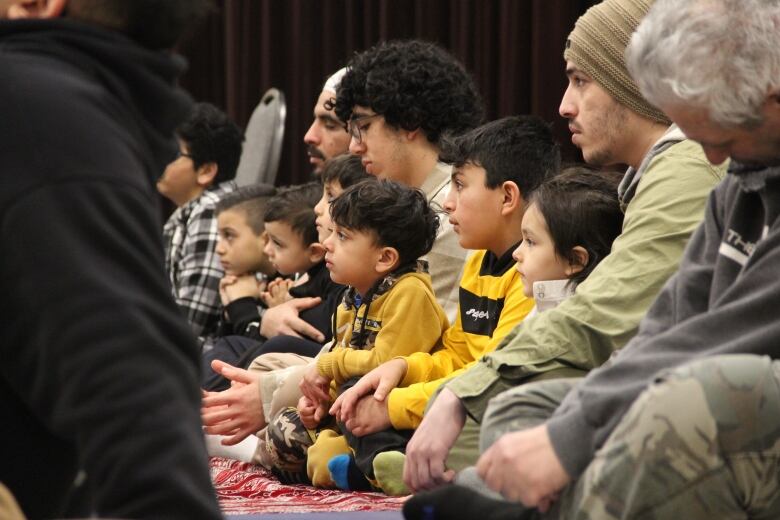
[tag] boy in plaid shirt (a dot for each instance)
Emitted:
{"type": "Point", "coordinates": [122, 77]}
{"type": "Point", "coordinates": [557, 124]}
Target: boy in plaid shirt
{"type": "Point", "coordinates": [203, 171]}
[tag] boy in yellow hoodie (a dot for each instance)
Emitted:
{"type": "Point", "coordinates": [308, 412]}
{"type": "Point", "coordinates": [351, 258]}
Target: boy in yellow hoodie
{"type": "Point", "coordinates": [380, 229]}
{"type": "Point", "coordinates": [496, 169]}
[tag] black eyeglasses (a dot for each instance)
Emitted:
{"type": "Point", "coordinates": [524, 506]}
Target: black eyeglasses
{"type": "Point", "coordinates": [353, 126]}
{"type": "Point", "coordinates": [179, 153]}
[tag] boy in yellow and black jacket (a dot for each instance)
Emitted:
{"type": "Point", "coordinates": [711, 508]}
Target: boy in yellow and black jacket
{"type": "Point", "coordinates": [380, 229]}
{"type": "Point", "coordinates": [496, 168]}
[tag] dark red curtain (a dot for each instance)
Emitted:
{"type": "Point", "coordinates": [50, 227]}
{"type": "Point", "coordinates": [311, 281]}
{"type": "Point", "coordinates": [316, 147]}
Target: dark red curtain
{"type": "Point", "coordinates": [513, 48]}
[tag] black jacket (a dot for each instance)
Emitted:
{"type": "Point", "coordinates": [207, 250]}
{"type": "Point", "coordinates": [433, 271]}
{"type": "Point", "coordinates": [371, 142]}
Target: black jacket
{"type": "Point", "coordinates": [98, 368]}
{"type": "Point", "coordinates": [244, 317]}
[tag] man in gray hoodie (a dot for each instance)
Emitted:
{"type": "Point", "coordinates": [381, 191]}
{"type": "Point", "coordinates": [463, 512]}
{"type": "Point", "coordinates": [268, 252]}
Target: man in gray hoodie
{"type": "Point", "coordinates": [683, 423]}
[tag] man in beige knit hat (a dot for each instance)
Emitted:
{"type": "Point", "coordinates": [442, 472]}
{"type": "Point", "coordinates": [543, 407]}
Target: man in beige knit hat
{"type": "Point", "coordinates": [663, 194]}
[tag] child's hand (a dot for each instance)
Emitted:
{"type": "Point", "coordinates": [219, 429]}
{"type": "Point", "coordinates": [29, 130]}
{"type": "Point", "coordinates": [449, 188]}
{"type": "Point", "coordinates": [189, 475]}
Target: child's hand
{"type": "Point", "coordinates": [314, 385]}
{"type": "Point", "coordinates": [226, 280]}
{"type": "Point", "coordinates": [307, 411]}
{"type": "Point", "coordinates": [277, 292]}
{"type": "Point", "coordinates": [243, 286]}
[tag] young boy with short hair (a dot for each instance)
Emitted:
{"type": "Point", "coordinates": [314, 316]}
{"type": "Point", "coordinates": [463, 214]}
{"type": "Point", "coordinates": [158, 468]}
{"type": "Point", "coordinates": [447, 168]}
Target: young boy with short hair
{"type": "Point", "coordinates": [209, 150]}
{"type": "Point", "coordinates": [241, 245]}
{"type": "Point", "coordinates": [380, 230]}
{"type": "Point", "coordinates": [496, 168]}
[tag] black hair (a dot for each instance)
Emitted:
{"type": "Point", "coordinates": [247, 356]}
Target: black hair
{"type": "Point", "coordinates": [294, 205]}
{"type": "Point", "coordinates": [413, 84]}
{"type": "Point", "coordinates": [581, 208]}
{"type": "Point", "coordinates": [211, 137]}
{"type": "Point", "coordinates": [399, 216]}
{"type": "Point", "coordinates": [520, 149]}
{"type": "Point", "coordinates": [251, 201]}
{"type": "Point", "coordinates": [346, 169]}
{"type": "Point", "coordinates": [156, 24]}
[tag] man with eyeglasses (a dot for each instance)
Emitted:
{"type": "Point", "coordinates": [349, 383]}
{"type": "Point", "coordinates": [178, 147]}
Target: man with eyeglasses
{"type": "Point", "coordinates": [399, 98]}
{"type": "Point", "coordinates": [202, 172]}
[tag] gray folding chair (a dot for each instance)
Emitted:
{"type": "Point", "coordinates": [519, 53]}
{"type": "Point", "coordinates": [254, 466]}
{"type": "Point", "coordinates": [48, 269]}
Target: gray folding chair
{"type": "Point", "coordinates": [263, 145]}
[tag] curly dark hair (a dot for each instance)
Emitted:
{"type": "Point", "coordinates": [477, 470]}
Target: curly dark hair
{"type": "Point", "coordinates": [581, 208]}
{"type": "Point", "coordinates": [413, 84]}
{"type": "Point", "coordinates": [399, 216]}
{"type": "Point", "coordinates": [211, 136]}
{"type": "Point", "coordinates": [521, 149]}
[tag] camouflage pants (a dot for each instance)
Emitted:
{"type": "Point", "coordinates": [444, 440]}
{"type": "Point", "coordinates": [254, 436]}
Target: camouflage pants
{"type": "Point", "coordinates": [287, 441]}
{"type": "Point", "coordinates": [702, 442]}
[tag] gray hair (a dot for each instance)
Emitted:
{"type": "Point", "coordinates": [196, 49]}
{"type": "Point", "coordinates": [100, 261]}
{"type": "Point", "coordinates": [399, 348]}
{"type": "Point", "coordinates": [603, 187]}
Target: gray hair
{"type": "Point", "coordinates": [719, 55]}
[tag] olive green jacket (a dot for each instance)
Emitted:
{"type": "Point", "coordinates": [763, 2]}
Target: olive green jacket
{"type": "Point", "coordinates": [663, 202]}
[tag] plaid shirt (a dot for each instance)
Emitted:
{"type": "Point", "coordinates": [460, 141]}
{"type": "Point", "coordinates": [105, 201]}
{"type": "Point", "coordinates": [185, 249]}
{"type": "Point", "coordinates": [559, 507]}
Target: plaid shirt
{"type": "Point", "coordinates": [190, 238]}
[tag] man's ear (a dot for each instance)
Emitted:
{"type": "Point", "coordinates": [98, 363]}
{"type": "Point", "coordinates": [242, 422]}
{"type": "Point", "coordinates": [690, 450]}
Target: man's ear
{"type": "Point", "coordinates": [316, 252]}
{"type": "Point", "coordinates": [772, 106]}
{"type": "Point", "coordinates": [581, 258]}
{"type": "Point", "coordinates": [512, 198]}
{"type": "Point", "coordinates": [411, 135]}
{"type": "Point", "coordinates": [387, 261]}
{"type": "Point", "coordinates": [206, 174]}
{"type": "Point", "coordinates": [20, 9]}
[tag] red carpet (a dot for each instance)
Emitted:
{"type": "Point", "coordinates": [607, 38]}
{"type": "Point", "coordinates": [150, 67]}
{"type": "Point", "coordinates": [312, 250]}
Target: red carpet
{"type": "Point", "coordinates": [246, 489]}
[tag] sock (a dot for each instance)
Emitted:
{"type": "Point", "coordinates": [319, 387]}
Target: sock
{"type": "Point", "coordinates": [389, 473]}
{"type": "Point", "coordinates": [456, 502]}
{"type": "Point", "coordinates": [346, 474]}
{"type": "Point", "coordinates": [242, 451]}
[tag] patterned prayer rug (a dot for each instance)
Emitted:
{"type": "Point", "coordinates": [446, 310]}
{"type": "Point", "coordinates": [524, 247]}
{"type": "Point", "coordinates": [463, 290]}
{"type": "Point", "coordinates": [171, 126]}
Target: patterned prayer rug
{"type": "Point", "coordinates": [244, 488]}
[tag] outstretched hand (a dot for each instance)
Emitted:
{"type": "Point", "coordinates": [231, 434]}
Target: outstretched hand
{"type": "Point", "coordinates": [236, 412]}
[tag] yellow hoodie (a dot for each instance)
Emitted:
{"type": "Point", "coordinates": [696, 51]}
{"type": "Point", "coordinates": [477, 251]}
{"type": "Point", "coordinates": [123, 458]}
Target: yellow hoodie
{"type": "Point", "coordinates": [403, 318]}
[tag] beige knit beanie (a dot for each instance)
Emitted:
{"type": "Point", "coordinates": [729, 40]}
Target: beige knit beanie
{"type": "Point", "coordinates": [597, 45]}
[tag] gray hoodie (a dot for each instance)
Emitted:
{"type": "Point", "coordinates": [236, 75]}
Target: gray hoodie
{"type": "Point", "coordinates": [723, 300]}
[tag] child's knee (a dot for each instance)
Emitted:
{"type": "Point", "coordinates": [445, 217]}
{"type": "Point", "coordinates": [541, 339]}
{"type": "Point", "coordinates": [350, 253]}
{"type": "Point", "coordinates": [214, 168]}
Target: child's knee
{"type": "Point", "coordinates": [287, 441]}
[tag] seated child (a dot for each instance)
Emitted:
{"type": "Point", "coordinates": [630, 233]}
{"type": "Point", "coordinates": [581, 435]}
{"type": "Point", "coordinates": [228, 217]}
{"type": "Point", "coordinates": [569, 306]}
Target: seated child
{"type": "Point", "coordinates": [567, 230]}
{"type": "Point", "coordinates": [380, 229]}
{"type": "Point", "coordinates": [240, 248]}
{"type": "Point", "coordinates": [202, 172]}
{"type": "Point", "coordinates": [497, 169]}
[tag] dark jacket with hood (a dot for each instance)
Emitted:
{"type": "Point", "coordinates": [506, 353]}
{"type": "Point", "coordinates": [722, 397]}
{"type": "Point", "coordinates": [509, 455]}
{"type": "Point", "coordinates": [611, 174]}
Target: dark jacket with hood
{"type": "Point", "coordinates": [98, 368]}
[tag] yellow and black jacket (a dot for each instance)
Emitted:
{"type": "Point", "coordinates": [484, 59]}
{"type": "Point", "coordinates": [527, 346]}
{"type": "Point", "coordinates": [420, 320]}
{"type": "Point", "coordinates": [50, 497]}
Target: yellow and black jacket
{"type": "Point", "coordinates": [399, 317]}
{"type": "Point", "coordinates": [491, 303]}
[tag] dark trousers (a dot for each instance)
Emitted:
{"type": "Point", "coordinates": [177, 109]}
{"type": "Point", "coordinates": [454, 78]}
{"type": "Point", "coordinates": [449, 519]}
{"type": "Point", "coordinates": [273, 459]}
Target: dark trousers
{"type": "Point", "coordinates": [369, 446]}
